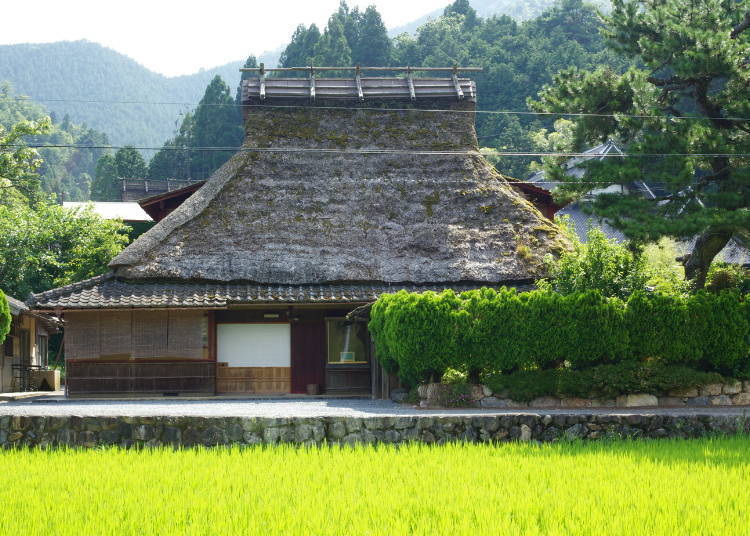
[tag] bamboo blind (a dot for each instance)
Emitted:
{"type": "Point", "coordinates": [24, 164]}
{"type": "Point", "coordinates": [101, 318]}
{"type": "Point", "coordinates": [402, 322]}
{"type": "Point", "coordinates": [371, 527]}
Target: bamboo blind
{"type": "Point", "coordinates": [150, 333]}
{"type": "Point", "coordinates": [135, 334]}
{"type": "Point", "coordinates": [82, 335]}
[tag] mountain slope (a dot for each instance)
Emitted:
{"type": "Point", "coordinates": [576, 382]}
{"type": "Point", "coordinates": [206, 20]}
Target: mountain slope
{"type": "Point", "coordinates": [519, 10]}
{"type": "Point", "coordinates": [85, 71]}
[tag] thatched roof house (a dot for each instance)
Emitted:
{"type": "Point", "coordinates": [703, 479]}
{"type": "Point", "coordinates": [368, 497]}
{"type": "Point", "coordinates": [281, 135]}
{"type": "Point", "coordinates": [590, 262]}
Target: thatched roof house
{"type": "Point", "coordinates": [329, 203]}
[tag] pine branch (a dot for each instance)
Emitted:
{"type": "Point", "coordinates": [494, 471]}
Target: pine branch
{"type": "Point", "coordinates": [741, 27]}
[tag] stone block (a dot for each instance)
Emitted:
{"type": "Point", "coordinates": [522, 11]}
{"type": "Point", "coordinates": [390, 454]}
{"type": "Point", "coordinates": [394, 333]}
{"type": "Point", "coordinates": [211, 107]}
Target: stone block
{"type": "Point", "coordinates": [671, 401]}
{"type": "Point", "coordinates": [574, 432]}
{"type": "Point", "coordinates": [575, 403]}
{"type": "Point", "coordinates": [741, 399]}
{"type": "Point", "coordinates": [337, 429]}
{"type": "Point", "coordinates": [698, 401]}
{"type": "Point", "coordinates": [493, 402]}
{"type": "Point", "coordinates": [476, 392]}
{"type": "Point", "coordinates": [684, 393]}
{"type": "Point", "coordinates": [732, 388]}
{"type": "Point", "coordinates": [711, 389]}
{"type": "Point", "coordinates": [746, 386]}
{"type": "Point", "coordinates": [721, 400]}
{"type": "Point", "coordinates": [545, 402]}
{"type": "Point", "coordinates": [525, 433]}
{"type": "Point", "coordinates": [636, 401]}
{"type": "Point", "coordinates": [486, 391]}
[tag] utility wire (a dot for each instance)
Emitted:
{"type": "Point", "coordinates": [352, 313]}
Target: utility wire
{"type": "Point", "coordinates": [379, 151]}
{"type": "Point", "coordinates": [428, 110]}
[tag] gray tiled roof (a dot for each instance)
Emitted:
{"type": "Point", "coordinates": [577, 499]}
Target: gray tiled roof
{"type": "Point", "coordinates": [107, 292]}
{"type": "Point", "coordinates": [16, 306]}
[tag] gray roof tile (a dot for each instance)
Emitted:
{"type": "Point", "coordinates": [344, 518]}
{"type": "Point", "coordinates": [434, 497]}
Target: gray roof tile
{"type": "Point", "coordinates": [108, 292]}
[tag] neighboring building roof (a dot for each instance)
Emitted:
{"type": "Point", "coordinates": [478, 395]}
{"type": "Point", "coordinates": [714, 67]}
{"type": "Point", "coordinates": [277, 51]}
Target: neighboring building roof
{"type": "Point", "coordinates": [16, 306]}
{"type": "Point", "coordinates": [582, 221]}
{"type": "Point", "coordinates": [135, 189]}
{"type": "Point", "coordinates": [160, 205]}
{"type": "Point", "coordinates": [113, 210]}
{"type": "Point", "coordinates": [107, 292]}
{"type": "Point", "coordinates": [735, 252]}
{"type": "Point", "coordinates": [328, 194]}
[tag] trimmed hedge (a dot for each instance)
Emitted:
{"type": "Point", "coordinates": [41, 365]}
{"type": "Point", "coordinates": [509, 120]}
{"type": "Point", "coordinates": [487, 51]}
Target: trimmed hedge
{"type": "Point", "coordinates": [491, 331]}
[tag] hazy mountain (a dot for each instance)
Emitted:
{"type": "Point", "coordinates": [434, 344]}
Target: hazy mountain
{"type": "Point", "coordinates": [83, 71]}
{"type": "Point", "coordinates": [517, 9]}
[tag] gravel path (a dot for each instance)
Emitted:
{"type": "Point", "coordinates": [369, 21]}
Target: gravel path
{"type": "Point", "coordinates": [296, 408]}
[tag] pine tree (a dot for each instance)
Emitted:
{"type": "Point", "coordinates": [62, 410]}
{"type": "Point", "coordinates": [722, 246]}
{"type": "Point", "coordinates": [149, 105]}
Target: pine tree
{"type": "Point", "coordinates": [217, 123]}
{"type": "Point", "coordinates": [129, 163]}
{"type": "Point", "coordinates": [373, 47]}
{"type": "Point", "coordinates": [105, 186]}
{"type": "Point", "coordinates": [333, 48]}
{"type": "Point", "coordinates": [172, 161]}
{"type": "Point", "coordinates": [463, 7]}
{"type": "Point", "coordinates": [250, 63]}
{"type": "Point", "coordinates": [695, 54]}
{"type": "Point", "coordinates": [301, 49]}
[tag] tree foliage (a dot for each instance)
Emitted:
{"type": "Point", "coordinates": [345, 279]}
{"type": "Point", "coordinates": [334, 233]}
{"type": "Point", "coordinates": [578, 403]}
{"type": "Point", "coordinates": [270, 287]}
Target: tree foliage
{"type": "Point", "coordinates": [681, 103]}
{"type": "Point", "coordinates": [105, 184]}
{"type": "Point", "coordinates": [5, 317]}
{"type": "Point", "coordinates": [129, 163]}
{"type": "Point", "coordinates": [599, 264]}
{"type": "Point", "coordinates": [43, 246]}
{"type": "Point", "coordinates": [64, 171]}
{"type": "Point", "coordinates": [215, 123]}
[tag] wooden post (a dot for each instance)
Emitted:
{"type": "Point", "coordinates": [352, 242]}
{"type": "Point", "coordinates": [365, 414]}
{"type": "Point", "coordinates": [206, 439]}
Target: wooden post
{"type": "Point", "coordinates": [358, 78]}
{"type": "Point", "coordinates": [262, 76]}
{"type": "Point", "coordinates": [312, 83]}
{"type": "Point", "coordinates": [412, 94]}
{"type": "Point", "coordinates": [459, 92]}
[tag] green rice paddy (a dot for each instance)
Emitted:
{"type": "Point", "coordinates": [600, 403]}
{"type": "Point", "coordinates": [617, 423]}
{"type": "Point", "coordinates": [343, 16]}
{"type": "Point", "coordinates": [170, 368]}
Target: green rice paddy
{"type": "Point", "coordinates": [660, 487]}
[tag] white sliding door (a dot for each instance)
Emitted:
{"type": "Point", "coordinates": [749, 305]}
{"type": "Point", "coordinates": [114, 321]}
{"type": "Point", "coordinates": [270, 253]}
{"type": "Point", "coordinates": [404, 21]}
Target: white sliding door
{"type": "Point", "coordinates": [254, 345]}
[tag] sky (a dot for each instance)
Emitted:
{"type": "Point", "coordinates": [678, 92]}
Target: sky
{"type": "Point", "coordinates": [181, 37]}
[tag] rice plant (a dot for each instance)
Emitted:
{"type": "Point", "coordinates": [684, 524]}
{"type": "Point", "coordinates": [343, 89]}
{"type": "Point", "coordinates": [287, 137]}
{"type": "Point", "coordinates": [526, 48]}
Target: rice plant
{"type": "Point", "coordinates": [662, 487]}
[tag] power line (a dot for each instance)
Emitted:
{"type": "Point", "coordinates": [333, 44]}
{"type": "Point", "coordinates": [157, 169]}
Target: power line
{"type": "Point", "coordinates": [427, 110]}
{"type": "Point", "coordinates": [382, 151]}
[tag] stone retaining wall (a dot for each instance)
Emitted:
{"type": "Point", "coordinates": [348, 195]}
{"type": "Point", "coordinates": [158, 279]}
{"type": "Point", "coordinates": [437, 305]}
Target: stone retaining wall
{"type": "Point", "coordinates": [73, 431]}
{"type": "Point", "coordinates": [436, 395]}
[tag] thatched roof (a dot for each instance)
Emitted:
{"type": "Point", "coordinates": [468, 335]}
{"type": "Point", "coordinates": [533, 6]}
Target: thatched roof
{"type": "Point", "coordinates": [423, 207]}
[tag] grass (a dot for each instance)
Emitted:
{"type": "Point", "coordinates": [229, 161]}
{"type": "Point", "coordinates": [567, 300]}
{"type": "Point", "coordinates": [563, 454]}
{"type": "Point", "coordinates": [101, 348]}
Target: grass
{"type": "Point", "coordinates": [650, 488]}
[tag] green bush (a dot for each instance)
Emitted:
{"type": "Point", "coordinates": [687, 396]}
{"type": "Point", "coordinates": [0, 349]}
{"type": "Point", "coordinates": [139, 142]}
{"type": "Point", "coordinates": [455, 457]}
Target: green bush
{"type": "Point", "coordinates": [719, 326]}
{"type": "Point", "coordinates": [603, 381]}
{"type": "Point", "coordinates": [419, 335]}
{"type": "Point", "coordinates": [660, 326]}
{"type": "Point", "coordinates": [599, 331]}
{"type": "Point", "coordinates": [5, 317]}
{"type": "Point", "coordinates": [599, 264]}
{"type": "Point", "coordinates": [495, 329]}
{"type": "Point", "coordinates": [488, 331]}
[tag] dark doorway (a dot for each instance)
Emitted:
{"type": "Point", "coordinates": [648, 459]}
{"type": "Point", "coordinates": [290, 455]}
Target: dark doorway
{"type": "Point", "coordinates": [308, 355]}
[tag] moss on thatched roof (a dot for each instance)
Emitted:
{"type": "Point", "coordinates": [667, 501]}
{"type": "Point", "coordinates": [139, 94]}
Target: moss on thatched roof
{"type": "Point", "coordinates": [315, 217]}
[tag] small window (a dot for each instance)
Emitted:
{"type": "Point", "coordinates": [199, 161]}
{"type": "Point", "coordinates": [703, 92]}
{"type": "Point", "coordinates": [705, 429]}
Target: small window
{"type": "Point", "coordinates": [42, 348]}
{"type": "Point", "coordinates": [8, 346]}
{"type": "Point", "coordinates": [347, 342]}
